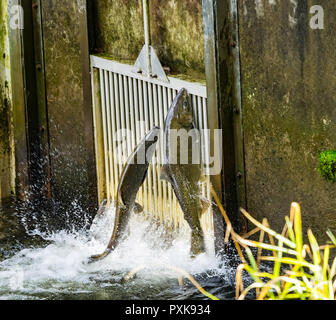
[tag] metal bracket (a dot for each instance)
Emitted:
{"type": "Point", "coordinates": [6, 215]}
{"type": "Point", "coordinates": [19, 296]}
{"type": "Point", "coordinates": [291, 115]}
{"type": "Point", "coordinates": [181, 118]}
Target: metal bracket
{"type": "Point", "coordinates": [153, 68]}
{"type": "Point", "coordinates": [148, 62]}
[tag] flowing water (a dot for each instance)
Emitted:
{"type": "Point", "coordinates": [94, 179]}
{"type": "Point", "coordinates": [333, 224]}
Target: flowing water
{"type": "Point", "coordinates": [55, 268]}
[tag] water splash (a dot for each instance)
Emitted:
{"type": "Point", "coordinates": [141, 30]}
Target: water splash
{"type": "Point", "coordinates": [59, 271]}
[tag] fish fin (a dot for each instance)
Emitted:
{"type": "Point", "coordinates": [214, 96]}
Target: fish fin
{"type": "Point", "coordinates": [144, 177]}
{"type": "Point", "coordinates": [164, 173]}
{"type": "Point", "coordinates": [138, 208]}
{"type": "Point", "coordinates": [205, 203]}
{"type": "Point", "coordinates": [98, 257]}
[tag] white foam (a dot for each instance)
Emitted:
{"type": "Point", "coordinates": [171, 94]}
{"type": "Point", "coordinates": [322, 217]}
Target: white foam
{"type": "Point", "coordinates": [62, 263]}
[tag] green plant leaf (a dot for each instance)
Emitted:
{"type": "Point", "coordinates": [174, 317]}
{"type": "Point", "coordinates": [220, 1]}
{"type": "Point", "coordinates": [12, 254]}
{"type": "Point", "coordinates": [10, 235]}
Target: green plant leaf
{"type": "Point", "coordinates": [290, 229]}
{"type": "Point", "coordinates": [277, 264]}
{"type": "Point", "coordinates": [298, 229]}
{"type": "Point", "coordinates": [315, 248]}
{"type": "Point", "coordinates": [331, 236]}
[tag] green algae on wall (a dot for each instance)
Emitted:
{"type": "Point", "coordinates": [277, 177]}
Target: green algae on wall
{"type": "Point", "coordinates": [7, 170]}
{"type": "Point", "coordinates": [119, 28]}
{"type": "Point", "coordinates": [176, 33]}
{"type": "Point", "coordinates": [327, 167]}
{"type": "Point", "coordinates": [289, 98]}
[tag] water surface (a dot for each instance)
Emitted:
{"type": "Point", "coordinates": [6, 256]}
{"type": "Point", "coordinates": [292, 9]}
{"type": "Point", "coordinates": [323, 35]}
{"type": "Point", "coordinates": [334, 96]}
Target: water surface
{"type": "Point", "coordinates": [57, 269]}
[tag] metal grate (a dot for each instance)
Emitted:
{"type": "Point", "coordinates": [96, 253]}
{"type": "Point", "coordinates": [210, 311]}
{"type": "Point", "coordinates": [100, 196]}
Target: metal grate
{"type": "Point", "coordinates": [126, 106]}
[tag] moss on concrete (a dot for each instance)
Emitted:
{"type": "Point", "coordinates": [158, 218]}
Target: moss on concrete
{"type": "Point", "coordinates": [289, 99]}
{"type": "Point", "coordinates": [327, 167]}
{"type": "Point", "coordinates": [176, 32]}
{"type": "Point", "coordinates": [177, 35]}
{"type": "Point", "coordinates": [119, 28]}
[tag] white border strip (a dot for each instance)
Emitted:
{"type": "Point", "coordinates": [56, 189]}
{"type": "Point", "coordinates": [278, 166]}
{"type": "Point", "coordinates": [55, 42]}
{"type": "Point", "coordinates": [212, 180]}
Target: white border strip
{"type": "Point", "coordinates": [127, 70]}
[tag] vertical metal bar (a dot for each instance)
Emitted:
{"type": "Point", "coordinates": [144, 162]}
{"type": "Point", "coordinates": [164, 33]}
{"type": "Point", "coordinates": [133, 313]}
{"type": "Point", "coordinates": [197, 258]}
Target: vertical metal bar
{"type": "Point", "coordinates": [137, 126]}
{"type": "Point", "coordinates": [148, 120]}
{"type": "Point", "coordinates": [152, 167]}
{"type": "Point", "coordinates": [169, 212]}
{"type": "Point", "coordinates": [99, 139]}
{"type": "Point", "coordinates": [157, 155]}
{"type": "Point", "coordinates": [113, 129]}
{"type": "Point", "coordinates": [132, 112]}
{"type": "Point", "coordinates": [142, 134]}
{"type": "Point", "coordinates": [109, 134]}
{"type": "Point", "coordinates": [127, 115]}
{"type": "Point", "coordinates": [200, 126]}
{"type": "Point", "coordinates": [137, 111]}
{"type": "Point", "coordinates": [118, 121]}
{"type": "Point", "coordinates": [148, 188]}
{"type": "Point", "coordinates": [206, 156]}
{"type": "Point", "coordinates": [170, 192]}
{"type": "Point", "coordinates": [122, 146]}
{"type": "Point", "coordinates": [200, 119]}
{"type": "Point", "coordinates": [178, 214]}
{"type": "Point", "coordinates": [163, 206]}
{"type": "Point", "coordinates": [103, 104]}
{"type": "Point", "coordinates": [142, 108]}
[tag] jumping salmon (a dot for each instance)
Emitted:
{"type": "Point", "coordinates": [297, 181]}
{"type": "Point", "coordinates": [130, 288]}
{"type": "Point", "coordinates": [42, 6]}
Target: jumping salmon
{"type": "Point", "coordinates": [132, 177]}
{"type": "Point", "coordinates": [182, 167]}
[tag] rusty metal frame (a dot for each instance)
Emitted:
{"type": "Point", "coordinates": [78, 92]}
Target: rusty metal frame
{"type": "Point", "coordinates": [222, 65]}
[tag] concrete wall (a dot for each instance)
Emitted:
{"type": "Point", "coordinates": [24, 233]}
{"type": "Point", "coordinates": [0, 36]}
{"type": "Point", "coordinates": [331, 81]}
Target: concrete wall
{"type": "Point", "coordinates": [7, 165]}
{"type": "Point", "coordinates": [65, 103]}
{"type": "Point", "coordinates": [176, 32]}
{"type": "Point", "coordinates": [289, 109]}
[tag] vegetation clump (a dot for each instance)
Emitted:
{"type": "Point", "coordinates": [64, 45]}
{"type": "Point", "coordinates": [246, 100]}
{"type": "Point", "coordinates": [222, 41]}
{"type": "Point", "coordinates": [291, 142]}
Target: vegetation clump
{"type": "Point", "coordinates": [327, 167]}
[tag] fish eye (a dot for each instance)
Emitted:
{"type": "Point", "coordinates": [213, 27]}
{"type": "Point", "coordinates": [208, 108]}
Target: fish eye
{"type": "Point", "coordinates": [185, 104]}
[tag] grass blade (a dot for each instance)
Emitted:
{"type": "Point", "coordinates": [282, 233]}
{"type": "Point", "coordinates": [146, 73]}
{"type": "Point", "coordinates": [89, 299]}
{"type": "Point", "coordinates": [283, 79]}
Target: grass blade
{"type": "Point", "coordinates": [290, 229]}
{"type": "Point", "coordinates": [315, 248]}
{"type": "Point", "coordinates": [268, 230]}
{"type": "Point", "coordinates": [331, 236]}
{"type": "Point", "coordinates": [298, 229]}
